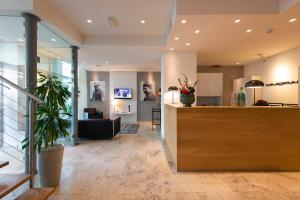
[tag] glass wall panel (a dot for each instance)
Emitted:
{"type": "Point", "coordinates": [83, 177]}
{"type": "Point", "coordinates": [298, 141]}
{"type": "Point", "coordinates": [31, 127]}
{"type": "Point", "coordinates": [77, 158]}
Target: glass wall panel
{"type": "Point", "coordinates": [54, 56]}
{"type": "Point", "coordinates": [12, 102]}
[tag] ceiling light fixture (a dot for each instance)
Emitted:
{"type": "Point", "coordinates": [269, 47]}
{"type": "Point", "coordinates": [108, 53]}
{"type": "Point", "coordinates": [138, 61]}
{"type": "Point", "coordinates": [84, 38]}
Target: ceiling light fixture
{"type": "Point", "coordinates": [143, 21]}
{"type": "Point", "coordinates": [172, 49]}
{"type": "Point", "coordinates": [188, 44]}
{"type": "Point", "coordinates": [183, 21]}
{"type": "Point", "coordinates": [89, 21]}
{"type": "Point", "coordinates": [53, 40]}
{"type": "Point", "coordinates": [249, 30]}
{"type": "Point", "coordinates": [237, 63]}
{"type": "Point", "coordinates": [106, 62]}
{"type": "Point", "coordinates": [113, 21]}
{"type": "Point", "coordinates": [176, 38]}
{"type": "Point", "coordinates": [292, 20]}
{"type": "Point", "coordinates": [197, 31]}
{"type": "Point", "coordinates": [83, 62]}
{"type": "Point", "coordinates": [237, 21]}
{"type": "Point", "coordinates": [20, 40]}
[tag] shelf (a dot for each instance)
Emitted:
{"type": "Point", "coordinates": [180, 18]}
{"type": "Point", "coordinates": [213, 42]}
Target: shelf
{"type": "Point", "coordinates": [123, 113]}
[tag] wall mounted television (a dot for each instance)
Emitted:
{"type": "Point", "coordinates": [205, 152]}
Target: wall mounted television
{"type": "Point", "coordinates": [123, 93]}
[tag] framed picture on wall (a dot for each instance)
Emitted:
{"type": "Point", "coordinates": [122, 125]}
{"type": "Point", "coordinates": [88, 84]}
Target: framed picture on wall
{"type": "Point", "coordinates": [147, 91]}
{"type": "Point", "coordinates": [97, 91]}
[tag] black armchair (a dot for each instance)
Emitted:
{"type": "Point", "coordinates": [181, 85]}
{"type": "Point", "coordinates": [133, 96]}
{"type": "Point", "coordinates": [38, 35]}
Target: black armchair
{"type": "Point", "coordinates": [93, 114]}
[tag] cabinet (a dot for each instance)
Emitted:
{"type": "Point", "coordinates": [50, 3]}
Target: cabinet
{"type": "Point", "coordinates": [210, 84]}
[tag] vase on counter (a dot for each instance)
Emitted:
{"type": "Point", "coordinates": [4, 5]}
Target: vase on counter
{"type": "Point", "coordinates": [187, 100]}
{"type": "Point", "coordinates": [241, 98]}
{"type": "Point", "coordinates": [187, 91]}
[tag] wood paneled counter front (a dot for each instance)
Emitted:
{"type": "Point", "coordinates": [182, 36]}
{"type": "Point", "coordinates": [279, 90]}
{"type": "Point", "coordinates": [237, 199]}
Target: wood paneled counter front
{"type": "Point", "coordinates": [233, 139]}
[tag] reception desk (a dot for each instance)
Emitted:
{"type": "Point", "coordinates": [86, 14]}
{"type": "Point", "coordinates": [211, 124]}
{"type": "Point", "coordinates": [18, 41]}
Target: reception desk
{"type": "Point", "coordinates": [233, 139]}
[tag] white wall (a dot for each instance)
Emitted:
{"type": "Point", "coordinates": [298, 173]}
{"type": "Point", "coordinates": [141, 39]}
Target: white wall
{"type": "Point", "coordinates": [124, 80]}
{"type": "Point", "coordinates": [82, 83]}
{"type": "Point", "coordinates": [282, 67]}
{"type": "Point", "coordinates": [173, 64]}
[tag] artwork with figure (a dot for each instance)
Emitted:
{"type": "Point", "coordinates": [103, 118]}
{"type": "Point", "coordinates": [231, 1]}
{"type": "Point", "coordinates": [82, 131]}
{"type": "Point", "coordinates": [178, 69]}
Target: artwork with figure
{"type": "Point", "coordinates": [147, 90]}
{"type": "Point", "coordinates": [97, 90]}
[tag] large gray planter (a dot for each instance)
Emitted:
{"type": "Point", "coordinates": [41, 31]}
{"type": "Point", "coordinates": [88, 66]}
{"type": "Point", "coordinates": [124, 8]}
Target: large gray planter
{"type": "Point", "coordinates": [49, 165]}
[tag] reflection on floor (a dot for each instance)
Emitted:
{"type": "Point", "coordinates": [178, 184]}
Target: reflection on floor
{"type": "Point", "coordinates": [135, 167]}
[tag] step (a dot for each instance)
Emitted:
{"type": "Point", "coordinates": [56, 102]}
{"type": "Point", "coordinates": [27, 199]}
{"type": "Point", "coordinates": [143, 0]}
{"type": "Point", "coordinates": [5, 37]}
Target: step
{"type": "Point", "coordinates": [3, 163]}
{"type": "Point", "coordinates": [10, 182]}
{"type": "Point", "coordinates": [36, 194]}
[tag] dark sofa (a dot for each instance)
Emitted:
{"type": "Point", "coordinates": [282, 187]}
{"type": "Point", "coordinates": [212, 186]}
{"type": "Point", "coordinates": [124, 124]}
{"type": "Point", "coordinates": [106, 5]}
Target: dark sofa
{"type": "Point", "coordinates": [99, 128]}
{"type": "Point", "coordinates": [93, 114]}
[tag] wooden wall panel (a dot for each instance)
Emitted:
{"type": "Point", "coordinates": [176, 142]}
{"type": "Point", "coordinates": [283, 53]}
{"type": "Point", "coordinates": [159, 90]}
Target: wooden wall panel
{"type": "Point", "coordinates": [237, 139]}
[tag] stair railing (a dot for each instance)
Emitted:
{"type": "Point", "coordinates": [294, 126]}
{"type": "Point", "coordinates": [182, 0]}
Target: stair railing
{"type": "Point", "coordinates": [30, 163]}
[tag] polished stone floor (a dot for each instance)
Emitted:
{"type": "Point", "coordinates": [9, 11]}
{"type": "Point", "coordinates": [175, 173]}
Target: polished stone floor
{"type": "Point", "coordinates": [136, 167]}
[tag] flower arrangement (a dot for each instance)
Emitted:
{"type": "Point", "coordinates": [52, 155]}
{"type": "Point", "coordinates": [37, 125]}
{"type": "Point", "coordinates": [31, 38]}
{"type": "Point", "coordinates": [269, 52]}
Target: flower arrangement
{"type": "Point", "coordinates": [186, 87]}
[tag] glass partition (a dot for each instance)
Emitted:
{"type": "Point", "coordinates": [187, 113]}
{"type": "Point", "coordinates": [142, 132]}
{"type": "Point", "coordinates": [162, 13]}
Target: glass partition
{"type": "Point", "coordinates": [12, 102]}
{"type": "Point", "coordinates": [55, 58]}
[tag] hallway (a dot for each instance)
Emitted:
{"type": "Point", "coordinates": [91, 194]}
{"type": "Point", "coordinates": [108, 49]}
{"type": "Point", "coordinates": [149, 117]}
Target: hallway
{"type": "Point", "coordinates": [135, 167]}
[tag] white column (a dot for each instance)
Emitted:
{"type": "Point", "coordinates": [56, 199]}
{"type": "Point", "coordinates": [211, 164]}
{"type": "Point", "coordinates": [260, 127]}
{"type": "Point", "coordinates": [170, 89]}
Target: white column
{"type": "Point", "coordinates": [173, 65]}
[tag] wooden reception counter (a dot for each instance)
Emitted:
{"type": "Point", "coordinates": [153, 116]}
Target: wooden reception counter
{"type": "Point", "coordinates": [233, 139]}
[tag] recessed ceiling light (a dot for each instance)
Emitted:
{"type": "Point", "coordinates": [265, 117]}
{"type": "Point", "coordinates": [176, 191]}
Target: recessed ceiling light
{"type": "Point", "coordinates": [53, 40]}
{"type": "Point", "coordinates": [292, 20]}
{"type": "Point", "coordinates": [143, 21]}
{"type": "Point", "coordinates": [106, 62]}
{"type": "Point", "coordinates": [89, 21]}
{"type": "Point", "coordinates": [237, 21]}
{"type": "Point", "coordinates": [249, 30]}
{"type": "Point", "coordinates": [20, 40]}
{"type": "Point", "coordinates": [197, 31]}
{"type": "Point", "coordinates": [237, 63]}
{"type": "Point", "coordinates": [183, 21]}
{"type": "Point", "coordinates": [188, 44]}
{"type": "Point", "coordinates": [172, 49]}
{"type": "Point", "coordinates": [176, 38]}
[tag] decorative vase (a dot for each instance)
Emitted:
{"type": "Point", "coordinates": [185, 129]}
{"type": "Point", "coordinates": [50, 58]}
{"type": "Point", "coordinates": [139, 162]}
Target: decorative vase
{"type": "Point", "coordinates": [187, 100]}
{"type": "Point", "coordinates": [241, 98]}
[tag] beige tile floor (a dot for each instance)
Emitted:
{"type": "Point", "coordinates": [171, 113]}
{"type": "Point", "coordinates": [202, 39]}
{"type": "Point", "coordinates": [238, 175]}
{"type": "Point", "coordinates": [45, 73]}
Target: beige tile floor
{"type": "Point", "coordinates": [135, 167]}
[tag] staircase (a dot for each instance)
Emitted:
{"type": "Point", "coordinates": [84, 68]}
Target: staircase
{"type": "Point", "coordinates": [17, 171]}
{"type": "Point", "coordinates": [10, 182]}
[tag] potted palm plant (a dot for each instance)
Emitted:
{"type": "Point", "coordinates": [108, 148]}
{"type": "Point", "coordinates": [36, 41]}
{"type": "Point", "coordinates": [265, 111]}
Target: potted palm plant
{"type": "Point", "coordinates": [51, 123]}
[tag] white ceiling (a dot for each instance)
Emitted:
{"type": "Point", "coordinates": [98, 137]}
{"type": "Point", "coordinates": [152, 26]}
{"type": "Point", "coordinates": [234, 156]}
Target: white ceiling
{"type": "Point", "coordinates": [132, 44]}
{"type": "Point", "coordinates": [223, 42]}
{"type": "Point", "coordinates": [128, 12]}
{"type": "Point", "coordinates": [120, 56]}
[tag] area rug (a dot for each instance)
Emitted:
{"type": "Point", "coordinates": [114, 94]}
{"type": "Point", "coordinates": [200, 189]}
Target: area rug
{"type": "Point", "coordinates": [129, 128]}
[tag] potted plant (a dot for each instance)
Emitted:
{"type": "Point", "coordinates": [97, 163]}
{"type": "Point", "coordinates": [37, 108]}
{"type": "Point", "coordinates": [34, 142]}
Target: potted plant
{"type": "Point", "coordinates": [51, 123]}
{"type": "Point", "coordinates": [187, 92]}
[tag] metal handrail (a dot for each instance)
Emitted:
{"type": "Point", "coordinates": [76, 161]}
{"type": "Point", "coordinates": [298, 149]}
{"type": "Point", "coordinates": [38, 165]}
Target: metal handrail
{"type": "Point", "coordinates": [21, 89]}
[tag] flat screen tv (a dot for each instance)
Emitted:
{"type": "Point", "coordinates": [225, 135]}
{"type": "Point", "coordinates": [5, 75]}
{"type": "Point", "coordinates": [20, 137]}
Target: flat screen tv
{"type": "Point", "coordinates": [123, 93]}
